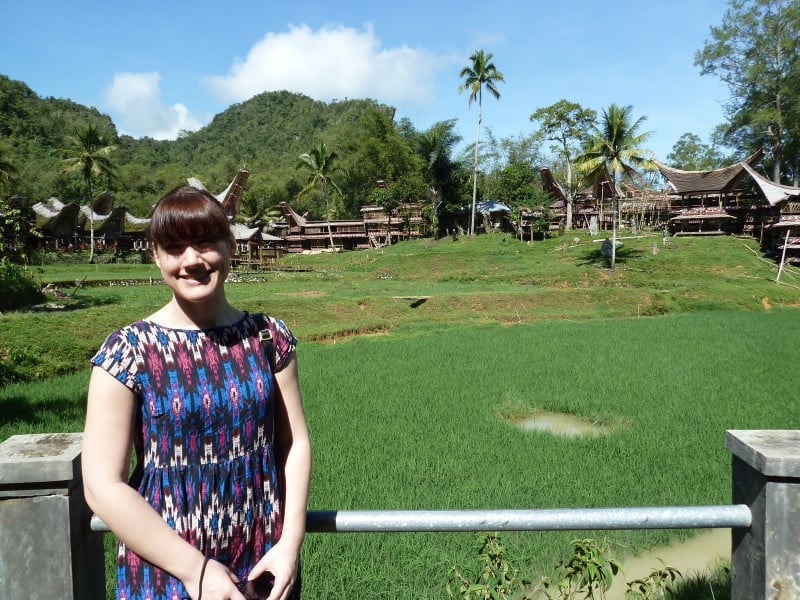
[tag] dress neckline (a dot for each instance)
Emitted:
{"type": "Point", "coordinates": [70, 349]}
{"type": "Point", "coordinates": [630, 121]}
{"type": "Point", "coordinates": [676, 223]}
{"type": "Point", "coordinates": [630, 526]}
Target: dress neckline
{"type": "Point", "coordinates": [245, 316]}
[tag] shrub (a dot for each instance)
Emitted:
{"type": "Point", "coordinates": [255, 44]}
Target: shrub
{"type": "Point", "coordinates": [17, 287]}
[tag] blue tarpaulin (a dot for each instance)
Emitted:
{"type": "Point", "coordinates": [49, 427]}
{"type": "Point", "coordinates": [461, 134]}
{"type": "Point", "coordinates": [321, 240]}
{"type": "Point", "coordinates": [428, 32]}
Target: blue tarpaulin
{"type": "Point", "coordinates": [491, 206]}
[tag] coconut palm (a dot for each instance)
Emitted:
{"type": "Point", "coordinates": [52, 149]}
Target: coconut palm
{"type": "Point", "coordinates": [614, 147]}
{"type": "Point", "coordinates": [89, 154]}
{"type": "Point", "coordinates": [320, 162]}
{"type": "Point", "coordinates": [479, 74]}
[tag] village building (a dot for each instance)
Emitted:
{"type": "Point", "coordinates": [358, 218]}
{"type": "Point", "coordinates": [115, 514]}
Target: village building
{"type": "Point", "coordinates": [377, 227]}
{"type": "Point", "coordinates": [720, 201]}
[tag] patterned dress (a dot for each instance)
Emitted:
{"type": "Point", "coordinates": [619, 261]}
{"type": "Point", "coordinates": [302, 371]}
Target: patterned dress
{"type": "Point", "coordinates": [206, 459]}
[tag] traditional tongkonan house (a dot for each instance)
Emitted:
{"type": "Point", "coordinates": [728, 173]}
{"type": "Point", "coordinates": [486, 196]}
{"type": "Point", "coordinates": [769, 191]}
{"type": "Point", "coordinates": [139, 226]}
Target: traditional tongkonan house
{"type": "Point", "coordinates": [376, 228]}
{"type": "Point", "coordinates": [780, 236]}
{"type": "Point", "coordinates": [721, 201]}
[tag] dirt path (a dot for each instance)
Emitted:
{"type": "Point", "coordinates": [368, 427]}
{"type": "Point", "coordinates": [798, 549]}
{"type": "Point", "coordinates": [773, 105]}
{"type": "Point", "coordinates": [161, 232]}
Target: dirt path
{"type": "Point", "coordinates": [690, 557]}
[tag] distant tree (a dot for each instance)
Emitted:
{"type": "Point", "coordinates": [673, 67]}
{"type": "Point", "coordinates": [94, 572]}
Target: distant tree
{"type": "Point", "coordinates": [614, 147]}
{"type": "Point", "coordinates": [567, 124]}
{"type": "Point", "coordinates": [435, 147]}
{"type": "Point", "coordinates": [479, 74]}
{"type": "Point", "coordinates": [7, 167]}
{"type": "Point", "coordinates": [89, 154]}
{"type": "Point", "coordinates": [320, 164]}
{"type": "Point", "coordinates": [756, 52]}
{"type": "Point", "coordinates": [515, 185]}
{"type": "Point", "coordinates": [372, 150]}
{"type": "Point", "coordinates": [691, 154]}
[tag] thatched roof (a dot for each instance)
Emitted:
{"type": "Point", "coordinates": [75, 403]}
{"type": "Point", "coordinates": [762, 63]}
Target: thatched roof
{"type": "Point", "coordinates": [718, 181]}
{"type": "Point", "coordinates": [773, 192]}
{"type": "Point", "coordinates": [551, 186]}
{"type": "Point", "coordinates": [231, 197]}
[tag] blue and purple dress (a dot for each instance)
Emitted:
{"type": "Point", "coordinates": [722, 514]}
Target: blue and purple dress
{"type": "Point", "coordinates": [204, 440]}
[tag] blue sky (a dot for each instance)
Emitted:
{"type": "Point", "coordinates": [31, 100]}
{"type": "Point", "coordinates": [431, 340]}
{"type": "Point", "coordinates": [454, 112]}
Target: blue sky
{"type": "Point", "coordinates": [159, 67]}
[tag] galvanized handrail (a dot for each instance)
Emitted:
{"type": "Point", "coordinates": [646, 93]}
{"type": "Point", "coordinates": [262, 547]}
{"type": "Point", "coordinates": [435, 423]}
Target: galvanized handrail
{"type": "Point", "coordinates": [563, 519]}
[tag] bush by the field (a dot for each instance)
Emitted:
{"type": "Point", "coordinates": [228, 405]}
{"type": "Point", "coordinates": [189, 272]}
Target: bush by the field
{"type": "Point", "coordinates": [17, 287]}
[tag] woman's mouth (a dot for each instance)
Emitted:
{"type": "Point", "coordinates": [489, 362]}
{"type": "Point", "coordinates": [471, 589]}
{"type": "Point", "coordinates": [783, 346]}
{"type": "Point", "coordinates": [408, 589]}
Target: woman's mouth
{"type": "Point", "coordinates": [199, 277]}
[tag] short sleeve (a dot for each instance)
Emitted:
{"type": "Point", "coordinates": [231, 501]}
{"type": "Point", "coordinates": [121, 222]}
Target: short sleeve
{"type": "Point", "coordinates": [116, 356]}
{"type": "Point", "coordinates": [283, 342]}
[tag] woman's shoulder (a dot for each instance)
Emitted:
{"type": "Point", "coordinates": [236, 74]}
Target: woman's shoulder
{"type": "Point", "coordinates": [276, 325]}
{"type": "Point", "coordinates": [130, 336]}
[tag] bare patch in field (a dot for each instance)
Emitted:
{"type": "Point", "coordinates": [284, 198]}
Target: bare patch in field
{"type": "Point", "coordinates": [304, 294]}
{"type": "Point", "coordinates": [560, 424]}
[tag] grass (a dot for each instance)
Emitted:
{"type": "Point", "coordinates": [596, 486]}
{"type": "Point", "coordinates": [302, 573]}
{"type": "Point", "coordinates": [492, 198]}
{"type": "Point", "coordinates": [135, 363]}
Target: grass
{"type": "Point", "coordinates": [416, 417]}
{"type": "Point", "coordinates": [488, 279]}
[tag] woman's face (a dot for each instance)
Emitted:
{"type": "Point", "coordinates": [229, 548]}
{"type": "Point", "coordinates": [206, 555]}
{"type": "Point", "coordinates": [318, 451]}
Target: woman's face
{"type": "Point", "coordinates": [195, 272]}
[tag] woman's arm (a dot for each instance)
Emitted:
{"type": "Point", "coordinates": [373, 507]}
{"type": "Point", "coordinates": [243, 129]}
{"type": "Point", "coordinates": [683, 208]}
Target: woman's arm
{"type": "Point", "coordinates": [105, 461]}
{"type": "Point", "coordinates": [294, 456]}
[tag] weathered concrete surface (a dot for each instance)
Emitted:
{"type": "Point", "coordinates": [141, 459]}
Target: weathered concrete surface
{"type": "Point", "coordinates": [766, 477]}
{"type": "Point", "coordinates": [47, 549]}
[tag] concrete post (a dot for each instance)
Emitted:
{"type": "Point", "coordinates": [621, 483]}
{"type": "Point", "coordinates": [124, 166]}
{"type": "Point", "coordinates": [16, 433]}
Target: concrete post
{"type": "Point", "coordinates": [766, 477]}
{"type": "Point", "coordinates": [47, 549]}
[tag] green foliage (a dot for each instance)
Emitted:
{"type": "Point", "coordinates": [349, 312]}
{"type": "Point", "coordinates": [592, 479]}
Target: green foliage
{"type": "Point", "coordinates": [690, 154]}
{"type": "Point", "coordinates": [565, 124]}
{"type": "Point", "coordinates": [755, 51]}
{"type": "Point", "coordinates": [265, 134]}
{"type": "Point", "coordinates": [495, 579]}
{"type": "Point", "coordinates": [34, 129]}
{"type": "Point", "coordinates": [659, 584]}
{"type": "Point", "coordinates": [614, 145]}
{"type": "Point", "coordinates": [479, 74]}
{"type": "Point", "coordinates": [17, 287]}
{"type": "Point", "coordinates": [15, 230]}
{"type": "Point", "coordinates": [425, 439]}
{"type": "Point", "coordinates": [516, 185]}
{"type": "Point", "coordinates": [590, 571]}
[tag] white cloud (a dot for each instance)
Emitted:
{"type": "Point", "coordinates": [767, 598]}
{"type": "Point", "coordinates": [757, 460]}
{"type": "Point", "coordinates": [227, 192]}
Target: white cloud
{"type": "Point", "coordinates": [334, 62]}
{"type": "Point", "coordinates": [135, 98]}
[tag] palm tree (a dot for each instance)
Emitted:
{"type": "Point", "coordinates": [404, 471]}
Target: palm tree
{"type": "Point", "coordinates": [614, 147]}
{"type": "Point", "coordinates": [481, 73]}
{"type": "Point", "coordinates": [435, 147]}
{"type": "Point", "coordinates": [89, 154]}
{"type": "Point", "coordinates": [320, 162]}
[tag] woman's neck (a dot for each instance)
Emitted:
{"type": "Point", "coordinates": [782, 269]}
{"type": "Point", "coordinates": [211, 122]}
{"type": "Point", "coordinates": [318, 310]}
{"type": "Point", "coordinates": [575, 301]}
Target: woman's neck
{"type": "Point", "coordinates": [189, 315]}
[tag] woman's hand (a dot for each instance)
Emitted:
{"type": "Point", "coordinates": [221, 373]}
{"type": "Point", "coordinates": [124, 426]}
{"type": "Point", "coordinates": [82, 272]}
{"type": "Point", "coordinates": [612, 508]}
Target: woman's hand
{"type": "Point", "coordinates": [281, 562]}
{"type": "Point", "coordinates": [217, 581]}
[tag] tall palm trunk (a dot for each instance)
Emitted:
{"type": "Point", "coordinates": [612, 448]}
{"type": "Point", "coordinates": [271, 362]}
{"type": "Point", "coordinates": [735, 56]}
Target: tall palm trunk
{"type": "Point", "coordinates": [614, 209]}
{"type": "Point", "coordinates": [328, 215]}
{"type": "Point", "coordinates": [91, 223]}
{"type": "Point", "coordinates": [475, 170]}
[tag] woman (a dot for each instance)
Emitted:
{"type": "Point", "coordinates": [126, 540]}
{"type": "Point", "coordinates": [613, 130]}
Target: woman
{"type": "Point", "coordinates": [209, 398]}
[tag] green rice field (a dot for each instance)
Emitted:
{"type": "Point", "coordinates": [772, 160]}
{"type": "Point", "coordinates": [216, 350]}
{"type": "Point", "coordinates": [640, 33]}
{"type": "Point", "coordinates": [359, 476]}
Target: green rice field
{"type": "Point", "coordinates": [417, 407]}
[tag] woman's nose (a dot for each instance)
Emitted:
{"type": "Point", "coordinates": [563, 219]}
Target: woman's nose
{"type": "Point", "coordinates": [191, 254]}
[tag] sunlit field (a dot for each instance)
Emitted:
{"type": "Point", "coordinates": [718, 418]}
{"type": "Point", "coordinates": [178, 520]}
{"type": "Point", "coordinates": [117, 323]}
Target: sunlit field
{"type": "Point", "coordinates": [417, 407]}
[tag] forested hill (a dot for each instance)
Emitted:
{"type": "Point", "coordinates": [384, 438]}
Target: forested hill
{"type": "Point", "coordinates": [265, 134]}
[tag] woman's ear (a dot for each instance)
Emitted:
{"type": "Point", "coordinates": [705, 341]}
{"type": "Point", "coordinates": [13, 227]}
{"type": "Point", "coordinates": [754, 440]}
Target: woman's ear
{"type": "Point", "coordinates": [156, 257]}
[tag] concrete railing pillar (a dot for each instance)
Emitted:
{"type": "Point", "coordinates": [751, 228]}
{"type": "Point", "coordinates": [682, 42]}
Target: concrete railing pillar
{"type": "Point", "coordinates": [766, 477]}
{"type": "Point", "coordinates": [47, 549]}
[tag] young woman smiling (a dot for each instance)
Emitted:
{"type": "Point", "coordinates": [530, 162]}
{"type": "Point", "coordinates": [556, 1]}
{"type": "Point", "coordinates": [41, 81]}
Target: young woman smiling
{"type": "Point", "coordinates": [207, 397]}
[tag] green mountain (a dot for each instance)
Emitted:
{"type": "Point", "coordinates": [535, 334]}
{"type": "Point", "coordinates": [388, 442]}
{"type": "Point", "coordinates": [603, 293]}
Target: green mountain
{"type": "Point", "coordinates": [265, 134]}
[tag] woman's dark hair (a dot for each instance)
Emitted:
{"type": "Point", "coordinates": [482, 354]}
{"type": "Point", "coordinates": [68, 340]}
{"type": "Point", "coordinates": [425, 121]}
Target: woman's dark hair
{"type": "Point", "coordinates": [187, 215]}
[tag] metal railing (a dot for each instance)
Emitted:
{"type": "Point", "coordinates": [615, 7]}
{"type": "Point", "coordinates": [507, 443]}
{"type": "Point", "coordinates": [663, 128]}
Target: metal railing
{"type": "Point", "coordinates": [657, 517]}
{"type": "Point", "coordinates": [42, 506]}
